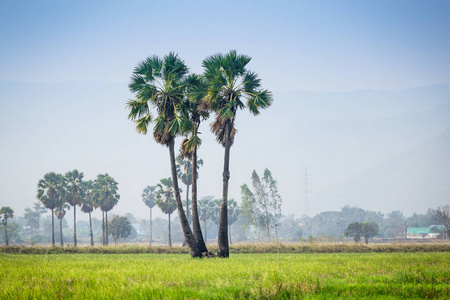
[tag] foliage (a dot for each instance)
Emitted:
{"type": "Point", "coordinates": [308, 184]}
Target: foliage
{"type": "Point", "coordinates": [119, 227]}
{"type": "Point", "coordinates": [354, 230]}
{"type": "Point", "coordinates": [442, 217]}
{"type": "Point", "coordinates": [324, 276]}
{"type": "Point", "coordinates": [369, 229]}
{"type": "Point", "coordinates": [262, 208]}
{"type": "Point", "coordinates": [6, 213]}
{"type": "Point", "coordinates": [148, 196]}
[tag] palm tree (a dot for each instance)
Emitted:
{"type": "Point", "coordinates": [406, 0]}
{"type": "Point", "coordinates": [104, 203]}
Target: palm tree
{"type": "Point", "coordinates": [185, 173]}
{"type": "Point", "coordinates": [6, 213]}
{"type": "Point", "coordinates": [148, 196]}
{"type": "Point", "coordinates": [161, 83]}
{"type": "Point", "coordinates": [164, 200]}
{"type": "Point", "coordinates": [106, 197]}
{"type": "Point", "coordinates": [75, 193]}
{"type": "Point", "coordinates": [47, 193]}
{"type": "Point", "coordinates": [229, 84]}
{"type": "Point", "coordinates": [198, 110]}
{"type": "Point", "coordinates": [205, 208]}
{"type": "Point", "coordinates": [88, 204]}
{"type": "Point", "coordinates": [233, 215]}
{"type": "Point", "coordinates": [62, 208]}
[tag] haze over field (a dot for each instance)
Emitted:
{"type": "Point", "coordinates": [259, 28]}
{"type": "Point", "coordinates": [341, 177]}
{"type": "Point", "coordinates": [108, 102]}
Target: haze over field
{"type": "Point", "coordinates": [361, 98]}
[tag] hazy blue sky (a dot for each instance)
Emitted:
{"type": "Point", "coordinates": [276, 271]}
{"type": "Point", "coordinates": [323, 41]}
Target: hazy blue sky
{"type": "Point", "coordinates": [295, 45]}
{"type": "Point", "coordinates": [65, 66]}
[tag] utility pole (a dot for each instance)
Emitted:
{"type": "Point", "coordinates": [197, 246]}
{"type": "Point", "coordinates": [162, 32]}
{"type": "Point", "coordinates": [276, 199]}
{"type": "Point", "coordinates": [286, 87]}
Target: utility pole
{"type": "Point", "coordinates": [306, 191]}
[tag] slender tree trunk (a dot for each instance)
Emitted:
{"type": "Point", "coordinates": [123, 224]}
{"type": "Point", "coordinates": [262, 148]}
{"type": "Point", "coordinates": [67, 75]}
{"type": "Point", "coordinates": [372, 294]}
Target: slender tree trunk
{"type": "Point", "coordinates": [229, 233]}
{"type": "Point", "coordinates": [90, 230]}
{"type": "Point", "coordinates": [206, 237]}
{"type": "Point", "coordinates": [151, 221]}
{"type": "Point", "coordinates": [53, 228]}
{"type": "Point", "coordinates": [6, 232]}
{"type": "Point", "coordinates": [197, 230]}
{"type": "Point", "coordinates": [222, 240]}
{"type": "Point", "coordinates": [103, 228]}
{"type": "Point", "coordinates": [187, 203]}
{"type": "Point", "coordinates": [188, 235]}
{"type": "Point", "coordinates": [106, 228]}
{"type": "Point", "coordinates": [170, 236]}
{"type": "Point", "coordinates": [74, 226]}
{"type": "Point", "coordinates": [61, 242]}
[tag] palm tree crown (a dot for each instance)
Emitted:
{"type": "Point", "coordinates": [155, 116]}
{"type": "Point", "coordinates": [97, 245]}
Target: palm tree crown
{"type": "Point", "coordinates": [159, 83]}
{"type": "Point", "coordinates": [229, 85]}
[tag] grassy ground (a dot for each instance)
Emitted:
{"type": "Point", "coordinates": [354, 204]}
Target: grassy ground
{"type": "Point", "coordinates": [127, 276]}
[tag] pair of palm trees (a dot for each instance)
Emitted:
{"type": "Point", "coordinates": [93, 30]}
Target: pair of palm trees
{"type": "Point", "coordinates": [57, 192]}
{"type": "Point", "coordinates": [182, 101]}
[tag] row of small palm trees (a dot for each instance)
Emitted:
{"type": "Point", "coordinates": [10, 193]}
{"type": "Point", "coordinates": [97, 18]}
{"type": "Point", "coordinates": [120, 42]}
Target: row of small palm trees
{"type": "Point", "coordinates": [162, 195]}
{"type": "Point", "coordinates": [182, 101]}
{"type": "Point", "coordinates": [57, 192]}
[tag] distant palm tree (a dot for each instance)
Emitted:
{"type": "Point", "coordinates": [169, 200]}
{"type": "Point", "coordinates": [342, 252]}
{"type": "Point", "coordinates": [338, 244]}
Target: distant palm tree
{"type": "Point", "coordinates": [161, 83]}
{"type": "Point", "coordinates": [88, 204]}
{"type": "Point", "coordinates": [75, 193]}
{"type": "Point", "coordinates": [229, 83]}
{"type": "Point", "coordinates": [205, 209]}
{"type": "Point", "coordinates": [148, 196]}
{"type": "Point", "coordinates": [165, 201]}
{"type": "Point", "coordinates": [233, 215]}
{"type": "Point", "coordinates": [6, 213]}
{"type": "Point", "coordinates": [106, 197]}
{"type": "Point", "coordinates": [47, 193]}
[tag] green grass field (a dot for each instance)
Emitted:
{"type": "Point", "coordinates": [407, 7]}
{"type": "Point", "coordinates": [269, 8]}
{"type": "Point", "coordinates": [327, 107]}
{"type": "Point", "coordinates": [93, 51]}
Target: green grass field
{"type": "Point", "coordinates": [140, 276]}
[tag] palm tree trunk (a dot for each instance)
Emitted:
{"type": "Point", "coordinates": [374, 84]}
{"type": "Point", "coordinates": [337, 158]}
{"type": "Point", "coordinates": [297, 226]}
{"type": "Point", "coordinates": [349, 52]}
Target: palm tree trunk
{"type": "Point", "coordinates": [170, 236]}
{"type": "Point", "coordinates": [106, 227]}
{"type": "Point", "coordinates": [103, 228]}
{"type": "Point", "coordinates": [197, 230]}
{"type": "Point", "coordinates": [74, 226]}
{"type": "Point", "coordinates": [222, 239]}
{"type": "Point", "coordinates": [187, 202]}
{"type": "Point", "coordinates": [206, 237]}
{"type": "Point", "coordinates": [90, 229]}
{"type": "Point", "coordinates": [61, 242]}
{"type": "Point", "coordinates": [151, 227]}
{"type": "Point", "coordinates": [6, 232]}
{"type": "Point", "coordinates": [53, 228]}
{"type": "Point", "coordinates": [188, 235]}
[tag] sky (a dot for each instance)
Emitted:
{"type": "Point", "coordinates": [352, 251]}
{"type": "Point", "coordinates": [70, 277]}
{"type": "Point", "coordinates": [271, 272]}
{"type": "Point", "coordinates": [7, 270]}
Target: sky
{"type": "Point", "coordinates": [65, 67]}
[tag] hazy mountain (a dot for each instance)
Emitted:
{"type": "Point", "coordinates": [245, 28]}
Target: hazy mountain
{"type": "Point", "coordinates": [412, 181]}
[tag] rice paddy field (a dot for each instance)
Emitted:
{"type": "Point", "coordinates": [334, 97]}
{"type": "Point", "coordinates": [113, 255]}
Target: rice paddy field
{"type": "Point", "coordinates": [243, 276]}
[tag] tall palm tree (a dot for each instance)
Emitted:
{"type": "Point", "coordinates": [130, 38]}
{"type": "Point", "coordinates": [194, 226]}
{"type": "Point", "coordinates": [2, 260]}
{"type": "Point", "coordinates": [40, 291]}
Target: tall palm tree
{"type": "Point", "coordinates": [161, 83]}
{"type": "Point", "coordinates": [75, 193]}
{"type": "Point", "coordinates": [6, 213]}
{"type": "Point", "coordinates": [47, 193]}
{"type": "Point", "coordinates": [148, 196]}
{"type": "Point", "coordinates": [165, 201]}
{"type": "Point", "coordinates": [198, 110]}
{"type": "Point", "coordinates": [106, 197]}
{"type": "Point", "coordinates": [88, 204]}
{"type": "Point", "coordinates": [229, 84]}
